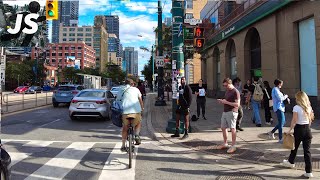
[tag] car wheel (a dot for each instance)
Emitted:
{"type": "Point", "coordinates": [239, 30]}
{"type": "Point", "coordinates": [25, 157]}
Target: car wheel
{"type": "Point", "coordinates": [73, 118]}
{"type": "Point", "coordinates": [55, 104]}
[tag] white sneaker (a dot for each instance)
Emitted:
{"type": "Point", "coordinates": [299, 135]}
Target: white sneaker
{"type": "Point", "coordinates": [309, 175]}
{"type": "Point", "coordinates": [268, 123]}
{"type": "Point", "coordinates": [286, 163]}
{"type": "Point", "coordinates": [271, 135]}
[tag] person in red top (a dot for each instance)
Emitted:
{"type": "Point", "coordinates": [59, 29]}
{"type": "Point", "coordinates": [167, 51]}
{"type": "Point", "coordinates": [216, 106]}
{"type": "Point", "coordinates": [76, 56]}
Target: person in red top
{"type": "Point", "coordinates": [231, 103]}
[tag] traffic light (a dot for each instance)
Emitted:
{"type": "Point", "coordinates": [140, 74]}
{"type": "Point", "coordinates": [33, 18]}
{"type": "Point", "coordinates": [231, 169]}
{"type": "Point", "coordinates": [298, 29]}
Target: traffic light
{"type": "Point", "coordinates": [198, 42]}
{"type": "Point", "coordinates": [198, 32]}
{"type": "Point", "coordinates": [52, 10]}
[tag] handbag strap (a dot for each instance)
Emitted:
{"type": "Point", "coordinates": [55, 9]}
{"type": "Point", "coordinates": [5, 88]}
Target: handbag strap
{"type": "Point", "coordinates": [267, 94]}
{"type": "Point", "coordinates": [123, 93]}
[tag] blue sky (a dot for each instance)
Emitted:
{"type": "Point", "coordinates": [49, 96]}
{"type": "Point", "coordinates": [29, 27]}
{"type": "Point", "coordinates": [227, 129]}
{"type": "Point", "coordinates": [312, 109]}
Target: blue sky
{"type": "Point", "coordinates": [137, 17]}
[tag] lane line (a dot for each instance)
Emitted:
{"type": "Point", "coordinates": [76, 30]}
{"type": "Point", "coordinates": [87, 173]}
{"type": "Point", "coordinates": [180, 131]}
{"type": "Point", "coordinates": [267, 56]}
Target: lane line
{"type": "Point", "coordinates": [49, 123]}
{"type": "Point", "coordinates": [37, 143]}
{"type": "Point", "coordinates": [116, 167]}
{"type": "Point", "coordinates": [63, 163]}
{"type": "Point", "coordinates": [17, 157]}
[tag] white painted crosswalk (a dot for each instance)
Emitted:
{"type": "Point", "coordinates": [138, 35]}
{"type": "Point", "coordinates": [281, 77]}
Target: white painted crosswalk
{"type": "Point", "coordinates": [67, 158]}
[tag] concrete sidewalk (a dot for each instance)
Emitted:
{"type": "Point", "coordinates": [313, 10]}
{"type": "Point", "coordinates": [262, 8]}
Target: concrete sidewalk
{"type": "Point", "coordinates": [253, 145]}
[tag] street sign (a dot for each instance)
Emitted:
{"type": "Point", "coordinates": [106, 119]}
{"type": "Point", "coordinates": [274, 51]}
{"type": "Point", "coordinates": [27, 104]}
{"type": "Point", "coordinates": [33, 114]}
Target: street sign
{"type": "Point", "coordinates": [188, 33]}
{"type": "Point", "coordinates": [192, 22]}
{"type": "Point", "coordinates": [3, 69]}
{"type": "Point", "coordinates": [159, 61]}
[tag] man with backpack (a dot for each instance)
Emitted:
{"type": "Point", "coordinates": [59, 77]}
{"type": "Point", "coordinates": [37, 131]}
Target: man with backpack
{"type": "Point", "coordinates": [256, 92]}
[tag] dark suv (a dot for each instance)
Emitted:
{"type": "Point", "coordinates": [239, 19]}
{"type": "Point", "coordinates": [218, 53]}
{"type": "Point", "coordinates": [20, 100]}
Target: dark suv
{"type": "Point", "coordinates": [65, 93]}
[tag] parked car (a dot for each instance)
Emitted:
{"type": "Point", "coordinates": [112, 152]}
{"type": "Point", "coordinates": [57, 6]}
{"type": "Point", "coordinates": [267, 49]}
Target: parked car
{"type": "Point", "coordinates": [33, 90]}
{"type": "Point", "coordinates": [65, 93]}
{"type": "Point", "coordinates": [46, 88]}
{"type": "Point", "coordinates": [91, 103]}
{"type": "Point", "coordinates": [5, 162]}
{"type": "Point", "coordinates": [115, 90]}
{"type": "Point", "coordinates": [21, 89]}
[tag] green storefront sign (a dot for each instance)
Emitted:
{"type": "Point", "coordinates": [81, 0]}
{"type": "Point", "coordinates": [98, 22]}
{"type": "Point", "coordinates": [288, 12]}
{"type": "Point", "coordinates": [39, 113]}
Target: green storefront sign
{"type": "Point", "coordinates": [260, 12]}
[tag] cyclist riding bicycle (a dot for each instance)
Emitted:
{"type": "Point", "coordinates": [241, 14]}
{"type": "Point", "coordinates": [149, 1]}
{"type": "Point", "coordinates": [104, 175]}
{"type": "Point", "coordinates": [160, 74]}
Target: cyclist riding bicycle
{"type": "Point", "coordinates": [132, 107]}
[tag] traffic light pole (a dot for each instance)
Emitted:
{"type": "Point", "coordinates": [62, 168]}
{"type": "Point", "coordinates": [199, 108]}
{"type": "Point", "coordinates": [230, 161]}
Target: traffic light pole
{"type": "Point", "coordinates": [178, 60]}
{"type": "Point", "coordinates": [160, 101]}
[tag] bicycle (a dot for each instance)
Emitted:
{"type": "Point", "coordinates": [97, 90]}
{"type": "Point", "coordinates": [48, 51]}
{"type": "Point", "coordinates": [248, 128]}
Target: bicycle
{"type": "Point", "coordinates": [130, 142]}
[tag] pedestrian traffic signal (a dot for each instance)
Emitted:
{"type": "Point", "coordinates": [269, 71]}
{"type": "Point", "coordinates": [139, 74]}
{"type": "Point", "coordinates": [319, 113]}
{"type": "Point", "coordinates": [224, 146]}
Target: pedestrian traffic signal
{"type": "Point", "coordinates": [198, 32]}
{"type": "Point", "coordinates": [198, 42]}
{"type": "Point", "coordinates": [52, 10]}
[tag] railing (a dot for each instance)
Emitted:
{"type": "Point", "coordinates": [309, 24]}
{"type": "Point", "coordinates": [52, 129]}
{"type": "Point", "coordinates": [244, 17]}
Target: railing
{"type": "Point", "coordinates": [12, 102]}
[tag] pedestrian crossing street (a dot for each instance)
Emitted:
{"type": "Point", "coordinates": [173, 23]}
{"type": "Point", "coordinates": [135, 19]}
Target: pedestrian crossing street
{"type": "Point", "coordinates": [53, 160]}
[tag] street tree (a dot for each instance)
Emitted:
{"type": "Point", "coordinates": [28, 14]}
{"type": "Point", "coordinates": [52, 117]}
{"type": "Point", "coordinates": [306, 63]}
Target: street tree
{"type": "Point", "coordinates": [114, 72]}
{"type": "Point", "coordinates": [70, 74]}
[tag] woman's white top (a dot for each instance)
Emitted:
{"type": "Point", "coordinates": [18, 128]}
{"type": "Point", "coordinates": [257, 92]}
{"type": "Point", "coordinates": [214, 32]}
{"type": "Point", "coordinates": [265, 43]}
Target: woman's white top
{"type": "Point", "coordinates": [302, 118]}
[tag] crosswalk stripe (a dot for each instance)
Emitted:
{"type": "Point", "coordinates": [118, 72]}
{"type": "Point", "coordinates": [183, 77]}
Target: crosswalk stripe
{"type": "Point", "coordinates": [17, 157]}
{"type": "Point", "coordinates": [64, 162]}
{"type": "Point", "coordinates": [5, 141]}
{"type": "Point", "coordinates": [116, 167]}
{"type": "Point", "coordinates": [38, 143]}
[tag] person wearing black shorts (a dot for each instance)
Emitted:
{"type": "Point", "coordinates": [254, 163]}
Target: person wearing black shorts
{"type": "Point", "coordinates": [183, 108]}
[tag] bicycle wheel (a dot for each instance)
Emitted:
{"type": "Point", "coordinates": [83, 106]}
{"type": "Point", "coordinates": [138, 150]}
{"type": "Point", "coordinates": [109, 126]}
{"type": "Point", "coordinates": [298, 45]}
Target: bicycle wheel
{"type": "Point", "coordinates": [130, 148]}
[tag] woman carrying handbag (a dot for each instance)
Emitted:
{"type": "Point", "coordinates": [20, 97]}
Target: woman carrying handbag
{"type": "Point", "coordinates": [301, 121]}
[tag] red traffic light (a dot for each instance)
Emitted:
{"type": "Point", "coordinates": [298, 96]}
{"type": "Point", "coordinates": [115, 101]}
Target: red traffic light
{"type": "Point", "coordinates": [198, 32]}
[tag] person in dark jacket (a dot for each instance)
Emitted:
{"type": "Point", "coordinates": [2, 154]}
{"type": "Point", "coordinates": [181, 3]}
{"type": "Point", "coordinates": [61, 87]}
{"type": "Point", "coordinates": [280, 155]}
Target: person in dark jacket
{"type": "Point", "coordinates": [201, 99]}
{"type": "Point", "coordinates": [183, 108]}
{"type": "Point", "coordinates": [142, 89]}
{"type": "Point", "coordinates": [266, 97]}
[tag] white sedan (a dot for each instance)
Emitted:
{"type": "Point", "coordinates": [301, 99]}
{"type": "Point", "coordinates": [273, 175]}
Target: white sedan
{"type": "Point", "coordinates": [91, 103]}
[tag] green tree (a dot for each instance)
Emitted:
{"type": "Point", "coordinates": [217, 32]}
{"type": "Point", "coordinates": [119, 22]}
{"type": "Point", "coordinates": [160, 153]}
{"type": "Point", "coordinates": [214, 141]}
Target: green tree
{"type": "Point", "coordinates": [147, 71]}
{"type": "Point", "coordinates": [21, 72]}
{"type": "Point", "coordinates": [114, 72]}
{"type": "Point", "coordinates": [70, 74]}
{"type": "Point", "coordinates": [91, 71]}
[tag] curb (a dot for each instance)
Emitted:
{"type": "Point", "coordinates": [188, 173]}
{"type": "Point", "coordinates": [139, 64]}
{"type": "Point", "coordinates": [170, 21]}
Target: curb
{"type": "Point", "coordinates": [25, 110]}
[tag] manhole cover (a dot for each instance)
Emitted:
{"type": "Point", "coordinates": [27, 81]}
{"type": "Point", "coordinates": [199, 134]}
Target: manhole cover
{"type": "Point", "coordinates": [239, 177]}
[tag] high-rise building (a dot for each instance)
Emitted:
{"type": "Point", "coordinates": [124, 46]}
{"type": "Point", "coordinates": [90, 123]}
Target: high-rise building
{"type": "Point", "coordinates": [129, 59]}
{"type": "Point", "coordinates": [135, 63]}
{"type": "Point", "coordinates": [75, 34]}
{"type": "Point", "coordinates": [112, 22]}
{"type": "Point", "coordinates": [100, 42]}
{"type": "Point", "coordinates": [113, 44]}
{"type": "Point", "coordinates": [168, 21]}
{"type": "Point", "coordinates": [68, 16]}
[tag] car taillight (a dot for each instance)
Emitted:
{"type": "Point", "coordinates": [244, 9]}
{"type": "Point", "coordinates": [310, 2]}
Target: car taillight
{"type": "Point", "coordinates": [74, 92]}
{"type": "Point", "coordinates": [101, 102]}
{"type": "Point", "coordinates": [74, 101]}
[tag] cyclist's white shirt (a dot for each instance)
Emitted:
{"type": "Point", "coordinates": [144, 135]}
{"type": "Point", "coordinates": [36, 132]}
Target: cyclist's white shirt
{"type": "Point", "coordinates": [130, 100]}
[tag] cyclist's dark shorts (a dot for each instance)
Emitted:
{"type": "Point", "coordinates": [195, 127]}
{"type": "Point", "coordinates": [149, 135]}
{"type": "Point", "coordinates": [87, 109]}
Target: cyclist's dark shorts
{"type": "Point", "coordinates": [182, 110]}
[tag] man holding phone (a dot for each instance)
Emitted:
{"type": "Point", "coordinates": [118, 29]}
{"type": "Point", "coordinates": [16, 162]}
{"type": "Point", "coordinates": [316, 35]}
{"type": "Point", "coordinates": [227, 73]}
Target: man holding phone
{"type": "Point", "coordinates": [229, 117]}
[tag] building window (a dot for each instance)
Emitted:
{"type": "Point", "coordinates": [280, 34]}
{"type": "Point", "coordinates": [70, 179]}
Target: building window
{"type": "Point", "coordinates": [72, 34]}
{"type": "Point", "coordinates": [60, 54]}
{"type": "Point", "coordinates": [66, 54]}
{"type": "Point", "coordinates": [64, 29]}
{"type": "Point", "coordinates": [80, 34]}
{"type": "Point", "coordinates": [189, 4]}
{"type": "Point", "coordinates": [73, 54]}
{"type": "Point", "coordinates": [88, 34]}
{"type": "Point", "coordinates": [66, 48]}
{"type": "Point", "coordinates": [79, 47]}
{"type": "Point", "coordinates": [60, 60]}
{"type": "Point", "coordinates": [80, 29]}
{"type": "Point", "coordinates": [72, 29]}
{"type": "Point", "coordinates": [60, 48]}
{"type": "Point", "coordinates": [189, 15]}
{"type": "Point", "coordinates": [89, 44]}
{"type": "Point", "coordinates": [64, 39]}
{"type": "Point", "coordinates": [88, 39]}
{"type": "Point", "coordinates": [73, 48]}
{"type": "Point", "coordinates": [53, 54]}
{"type": "Point", "coordinates": [64, 34]}
{"type": "Point", "coordinates": [79, 54]}
{"type": "Point", "coordinates": [53, 60]}
{"type": "Point", "coordinates": [72, 39]}
{"type": "Point", "coordinates": [88, 29]}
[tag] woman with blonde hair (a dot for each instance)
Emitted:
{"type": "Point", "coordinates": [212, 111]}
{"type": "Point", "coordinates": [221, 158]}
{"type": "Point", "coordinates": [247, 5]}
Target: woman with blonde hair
{"type": "Point", "coordinates": [301, 121]}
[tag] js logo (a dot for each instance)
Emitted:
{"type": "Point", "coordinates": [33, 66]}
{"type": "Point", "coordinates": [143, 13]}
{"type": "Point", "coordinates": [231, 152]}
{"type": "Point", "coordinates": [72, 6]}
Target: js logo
{"type": "Point", "coordinates": [29, 20]}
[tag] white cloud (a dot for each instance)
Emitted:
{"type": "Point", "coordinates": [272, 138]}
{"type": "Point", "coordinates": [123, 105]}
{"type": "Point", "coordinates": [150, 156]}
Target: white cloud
{"type": "Point", "coordinates": [150, 7]}
{"type": "Point", "coordinates": [96, 5]}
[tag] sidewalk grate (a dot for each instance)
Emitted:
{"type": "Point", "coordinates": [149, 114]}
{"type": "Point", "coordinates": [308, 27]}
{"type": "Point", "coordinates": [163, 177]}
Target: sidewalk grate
{"type": "Point", "coordinates": [299, 161]}
{"type": "Point", "coordinates": [239, 176]}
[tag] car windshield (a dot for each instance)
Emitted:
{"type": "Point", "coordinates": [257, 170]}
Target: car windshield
{"type": "Point", "coordinates": [33, 87]}
{"type": "Point", "coordinates": [99, 94]}
{"type": "Point", "coordinates": [66, 88]}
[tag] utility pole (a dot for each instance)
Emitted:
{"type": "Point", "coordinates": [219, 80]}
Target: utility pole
{"type": "Point", "coordinates": [177, 60]}
{"type": "Point", "coordinates": [160, 101]}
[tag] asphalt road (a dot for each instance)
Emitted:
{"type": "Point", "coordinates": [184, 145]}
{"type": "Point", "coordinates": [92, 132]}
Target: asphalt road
{"type": "Point", "coordinates": [46, 144]}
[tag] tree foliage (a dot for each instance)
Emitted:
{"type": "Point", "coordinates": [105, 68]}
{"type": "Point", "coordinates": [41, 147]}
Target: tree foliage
{"type": "Point", "coordinates": [147, 71]}
{"type": "Point", "coordinates": [114, 72]}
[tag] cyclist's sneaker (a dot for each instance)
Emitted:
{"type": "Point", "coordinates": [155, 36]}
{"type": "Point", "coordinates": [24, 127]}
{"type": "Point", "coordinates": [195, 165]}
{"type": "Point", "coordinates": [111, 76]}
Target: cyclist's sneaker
{"type": "Point", "coordinates": [138, 140]}
{"type": "Point", "coordinates": [123, 149]}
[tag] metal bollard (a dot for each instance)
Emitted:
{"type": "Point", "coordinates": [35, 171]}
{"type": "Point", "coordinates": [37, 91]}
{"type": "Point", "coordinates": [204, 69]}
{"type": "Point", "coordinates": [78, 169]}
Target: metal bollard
{"type": "Point", "coordinates": [46, 98]}
{"type": "Point", "coordinates": [22, 101]}
{"type": "Point", "coordinates": [7, 104]}
{"type": "Point", "coordinates": [36, 99]}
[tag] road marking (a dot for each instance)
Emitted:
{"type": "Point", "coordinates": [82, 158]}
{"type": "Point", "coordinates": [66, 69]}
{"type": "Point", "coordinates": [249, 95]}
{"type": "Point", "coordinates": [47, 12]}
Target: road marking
{"type": "Point", "coordinates": [49, 123]}
{"type": "Point", "coordinates": [37, 143]}
{"type": "Point", "coordinates": [63, 163]}
{"type": "Point", "coordinates": [17, 157]}
{"type": "Point", "coordinates": [118, 160]}
{"type": "Point", "coordinates": [4, 141]}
